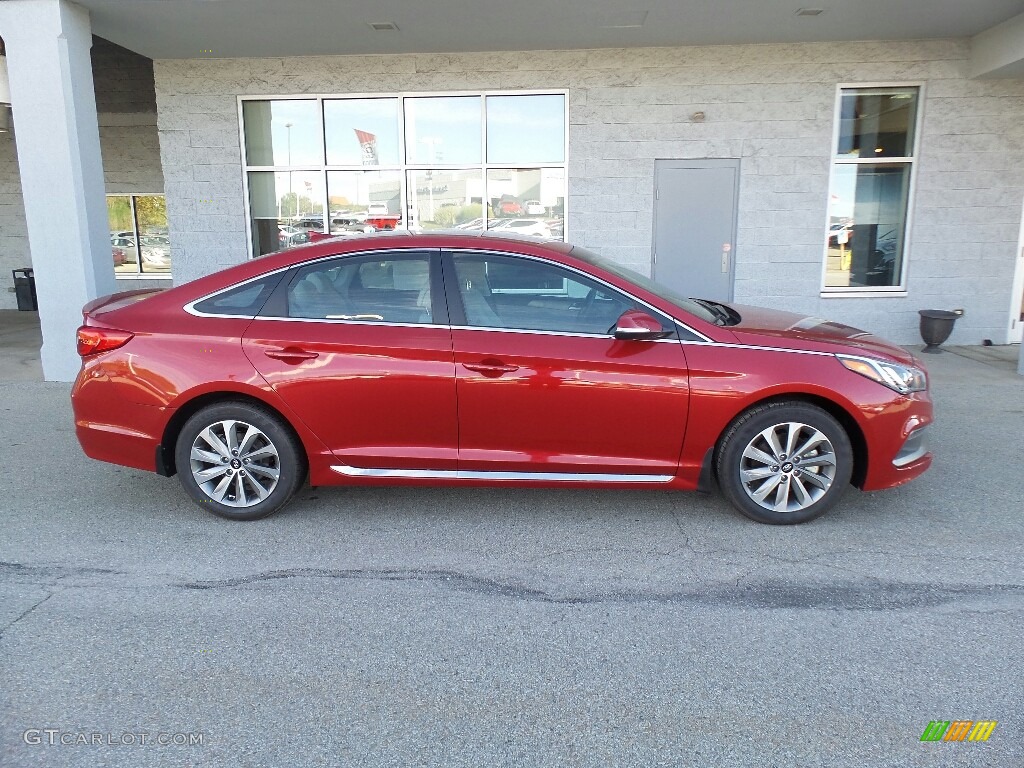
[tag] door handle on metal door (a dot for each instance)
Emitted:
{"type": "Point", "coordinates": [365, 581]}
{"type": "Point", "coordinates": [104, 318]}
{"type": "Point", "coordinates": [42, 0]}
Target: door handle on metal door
{"type": "Point", "coordinates": [490, 369]}
{"type": "Point", "coordinates": [291, 354]}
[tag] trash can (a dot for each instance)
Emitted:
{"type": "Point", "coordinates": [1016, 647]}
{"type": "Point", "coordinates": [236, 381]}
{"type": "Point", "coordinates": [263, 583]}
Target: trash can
{"type": "Point", "coordinates": [25, 289]}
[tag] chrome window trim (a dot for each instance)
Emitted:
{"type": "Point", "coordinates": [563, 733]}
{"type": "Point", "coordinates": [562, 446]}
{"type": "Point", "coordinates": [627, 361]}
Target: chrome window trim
{"type": "Point", "coordinates": [605, 336]}
{"type": "Point", "coordinates": [465, 474]}
{"type": "Point", "coordinates": [190, 307]}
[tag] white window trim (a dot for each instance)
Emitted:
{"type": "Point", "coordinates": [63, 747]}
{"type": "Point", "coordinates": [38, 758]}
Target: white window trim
{"type": "Point", "coordinates": [140, 275]}
{"type": "Point", "coordinates": [402, 168]}
{"type": "Point", "coordinates": [900, 290]}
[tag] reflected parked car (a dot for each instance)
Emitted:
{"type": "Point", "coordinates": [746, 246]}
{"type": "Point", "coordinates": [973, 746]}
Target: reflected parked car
{"type": "Point", "coordinates": [156, 252]}
{"type": "Point", "coordinates": [531, 227]}
{"type": "Point", "coordinates": [124, 248]}
{"type": "Point", "coordinates": [536, 364]}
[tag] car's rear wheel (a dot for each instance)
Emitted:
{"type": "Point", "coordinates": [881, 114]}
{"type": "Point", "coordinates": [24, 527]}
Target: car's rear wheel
{"type": "Point", "coordinates": [239, 460]}
{"type": "Point", "coordinates": [784, 463]}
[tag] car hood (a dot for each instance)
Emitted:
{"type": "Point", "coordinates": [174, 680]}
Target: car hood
{"type": "Point", "coordinates": [793, 331]}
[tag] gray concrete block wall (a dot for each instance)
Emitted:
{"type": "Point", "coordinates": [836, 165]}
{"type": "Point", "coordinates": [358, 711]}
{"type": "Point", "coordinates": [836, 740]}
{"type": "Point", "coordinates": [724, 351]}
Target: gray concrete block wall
{"type": "Point", "coordinates": [770, 105]}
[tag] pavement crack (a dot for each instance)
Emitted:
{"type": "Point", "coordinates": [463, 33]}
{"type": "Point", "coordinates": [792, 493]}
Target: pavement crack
{"type": "Point", "coordinates": [875, 595]}
{"type": "Point", "coordinates": [27, 612]}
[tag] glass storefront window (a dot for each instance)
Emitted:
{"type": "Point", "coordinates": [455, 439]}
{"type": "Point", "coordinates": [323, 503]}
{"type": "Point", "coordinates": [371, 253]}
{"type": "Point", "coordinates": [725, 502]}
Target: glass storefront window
{"type": "Point", "coordinates": [361, 131]}
{"type": "Point", "coordinates": [285, 207]}
{"type": "Point", "coordinates": [526, 129]}
{"type": "Point", "coordinates": [443, 130]}
{"type": "Point", "coordinates": [527, 201]}
{"type": "Point", "coordinates": [364, 201]}
{"type": "Point", "coordinates": [872, 169]}
{"type": "Point", "coordinates": [283, 132]}
{"type": "Point", "coordinates": [139, 240]}
{"type": "Point", "coordinates": [446, 199]}
{"type": "Point", "coordinates": [332, 166]}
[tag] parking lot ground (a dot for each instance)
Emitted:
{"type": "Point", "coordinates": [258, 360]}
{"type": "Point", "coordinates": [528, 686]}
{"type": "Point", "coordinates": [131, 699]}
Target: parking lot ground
{"type": "Point", "coordinates": [475, 627]}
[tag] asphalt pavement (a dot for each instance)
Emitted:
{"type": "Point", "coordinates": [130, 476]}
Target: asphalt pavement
{"type": "Point", "coordinates": [481, 627]}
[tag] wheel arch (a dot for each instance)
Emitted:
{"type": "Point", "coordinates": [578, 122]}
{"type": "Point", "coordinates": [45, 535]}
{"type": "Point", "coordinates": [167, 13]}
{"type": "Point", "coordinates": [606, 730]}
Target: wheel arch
{"type": "Point", "coordinates": [165, 464]}
{"type": "Point", "coordinates": [853, 430]}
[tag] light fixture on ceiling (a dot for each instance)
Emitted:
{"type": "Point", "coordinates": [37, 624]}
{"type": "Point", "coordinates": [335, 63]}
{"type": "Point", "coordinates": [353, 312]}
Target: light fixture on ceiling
{"type": "Point", "coordinates": [810, 11]}
{"type": "Point", "coordinates": [383, 26]}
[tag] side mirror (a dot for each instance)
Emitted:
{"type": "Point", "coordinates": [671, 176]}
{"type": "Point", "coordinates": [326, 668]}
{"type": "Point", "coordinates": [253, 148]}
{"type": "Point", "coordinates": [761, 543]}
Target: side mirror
{"type": "Point", "coordinates": [637, 325]}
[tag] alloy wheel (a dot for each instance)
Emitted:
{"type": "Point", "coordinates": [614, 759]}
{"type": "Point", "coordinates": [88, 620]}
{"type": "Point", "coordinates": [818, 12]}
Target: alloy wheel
{"type": "Point", "coordinates": [235, 463]}
{"type": "Point", "coordinates": [788, 467]}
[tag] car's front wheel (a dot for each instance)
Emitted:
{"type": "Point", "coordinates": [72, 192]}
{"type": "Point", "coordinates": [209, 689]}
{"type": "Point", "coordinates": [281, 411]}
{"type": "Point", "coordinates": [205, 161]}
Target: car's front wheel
{"type": "Point", "coordinates": [239, 460]}
{"type": "Point", "coordinates": [784, 463]}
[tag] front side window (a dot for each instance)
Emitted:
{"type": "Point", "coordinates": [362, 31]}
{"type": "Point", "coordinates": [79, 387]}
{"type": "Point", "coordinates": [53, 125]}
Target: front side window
{"type": "Point", "coordinates": [139, 240]}
{"type": "Point", "coordinates": [336, 166]}
{"type": "Point", "coordinates": [382, 288]}
{"type": "Point", "coordinates": [872, 170]}
{"type": "Point", "coordinates": [524, 294]}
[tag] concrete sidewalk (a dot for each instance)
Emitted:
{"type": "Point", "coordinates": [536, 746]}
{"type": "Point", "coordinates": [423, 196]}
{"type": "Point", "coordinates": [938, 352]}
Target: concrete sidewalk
{"type": "Point", "coordinates": [20, 340]}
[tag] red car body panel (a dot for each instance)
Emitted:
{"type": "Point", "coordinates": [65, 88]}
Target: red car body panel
{"type": "Point", "coordinates": [403, 397]}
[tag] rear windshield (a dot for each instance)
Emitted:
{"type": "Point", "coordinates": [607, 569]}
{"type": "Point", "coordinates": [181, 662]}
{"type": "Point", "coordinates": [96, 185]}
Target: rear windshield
{"type": "Point", "coordinates": [692, 306]}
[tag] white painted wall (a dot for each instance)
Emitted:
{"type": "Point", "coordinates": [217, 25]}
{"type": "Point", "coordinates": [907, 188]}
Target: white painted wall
{"type": "Point", "coordinates": [771, 105]}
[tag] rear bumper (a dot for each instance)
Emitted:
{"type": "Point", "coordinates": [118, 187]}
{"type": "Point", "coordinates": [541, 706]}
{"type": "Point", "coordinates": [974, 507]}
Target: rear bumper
{"type": "Point", "coordinates": [102, 426]}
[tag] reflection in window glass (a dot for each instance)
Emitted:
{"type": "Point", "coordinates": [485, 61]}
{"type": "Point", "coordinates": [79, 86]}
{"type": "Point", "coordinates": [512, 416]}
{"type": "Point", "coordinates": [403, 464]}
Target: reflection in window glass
{"type": "Point", "coordinates": [868, 211]}
{"type": "Point", "coordinates": [513, 293]}
{"type": "Point", "coordinates": [364, 201]}
{"type": "Point", "coordinates": [526, 129]}
{"type": "Point", "coordinates": [877, 122]}
{"type": "Point", "coordinates": [361, 131]}
{"type": "Point", "coordinates": [865, 241]}
{"type": "Point", "coordinates": [446, 199]}
{"type": "Point", "coordinates": [154, 243]}
{"type": "Point", "coordinates": [285, 132]}
{"type": "Point", "coordinates": [285, 207]}
{"type": "Point", "coordinates": [380, 288]}
{"type": "Point", "coordinates": [443, 130]}
{"type": "Point", "coordinates": [139, 239]}
{"type": "Point", "coordinates": [529, 201]}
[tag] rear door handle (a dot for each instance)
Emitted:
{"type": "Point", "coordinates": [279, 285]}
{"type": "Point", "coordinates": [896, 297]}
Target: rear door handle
{"type": "Point", "coordinates": [490, 369]}
{"type": "Point", "coordinates": [291, 354]}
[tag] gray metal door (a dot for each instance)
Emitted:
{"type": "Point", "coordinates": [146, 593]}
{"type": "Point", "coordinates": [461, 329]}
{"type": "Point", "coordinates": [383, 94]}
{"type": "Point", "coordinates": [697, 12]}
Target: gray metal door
{"type": "Point", "coordinates": [695, 226]}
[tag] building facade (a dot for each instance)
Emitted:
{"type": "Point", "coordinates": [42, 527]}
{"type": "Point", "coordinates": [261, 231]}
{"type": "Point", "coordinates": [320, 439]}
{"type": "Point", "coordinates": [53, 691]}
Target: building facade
{"type": "Point", "coordinates": [874, 179]}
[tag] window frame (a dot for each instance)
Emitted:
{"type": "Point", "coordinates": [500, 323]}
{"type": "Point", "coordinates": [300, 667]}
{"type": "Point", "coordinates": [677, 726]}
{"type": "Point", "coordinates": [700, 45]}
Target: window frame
{"type": "Point", "coordinates": [139, 274]}
{"type": "Point", "coordinates": [457, 309]}
{"type": "Point", "coordinates": [899, 290]}
{"type": "Point", "coordinates": [403, 167]}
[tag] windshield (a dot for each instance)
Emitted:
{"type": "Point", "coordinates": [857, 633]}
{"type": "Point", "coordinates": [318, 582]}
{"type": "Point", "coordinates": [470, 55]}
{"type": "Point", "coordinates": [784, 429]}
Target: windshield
{"type": "Point", "coordinates": [692, 306]}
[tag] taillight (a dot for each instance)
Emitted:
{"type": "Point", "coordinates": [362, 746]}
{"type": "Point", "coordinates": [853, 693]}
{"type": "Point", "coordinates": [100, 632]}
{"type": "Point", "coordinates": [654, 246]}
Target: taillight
{"type": "Point", "coordinates": [94, 340]}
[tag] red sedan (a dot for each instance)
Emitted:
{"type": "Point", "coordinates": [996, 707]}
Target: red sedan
{"type": "Point", "coordinates": [465, 358]}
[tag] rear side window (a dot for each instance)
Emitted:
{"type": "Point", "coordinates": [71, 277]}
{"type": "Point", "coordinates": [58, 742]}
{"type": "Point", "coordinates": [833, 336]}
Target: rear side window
{"type": "Point", "coordinates": [244, 300]}
{"type": "Point", "coordinates": [384, 287]}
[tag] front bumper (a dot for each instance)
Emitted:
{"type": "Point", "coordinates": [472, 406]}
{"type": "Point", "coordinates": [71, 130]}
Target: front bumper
{"type": "Point", "coordinates": [898, 442]}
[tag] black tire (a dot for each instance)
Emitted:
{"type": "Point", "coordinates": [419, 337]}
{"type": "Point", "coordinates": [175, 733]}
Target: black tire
{"type": "Point", "coordinates": [285, 456]}
{"type": "Point", "coordinates": [798, 495]}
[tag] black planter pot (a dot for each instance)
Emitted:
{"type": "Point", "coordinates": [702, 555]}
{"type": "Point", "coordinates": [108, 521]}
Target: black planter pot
{"type": "Point", "coordinates": [936, 325]}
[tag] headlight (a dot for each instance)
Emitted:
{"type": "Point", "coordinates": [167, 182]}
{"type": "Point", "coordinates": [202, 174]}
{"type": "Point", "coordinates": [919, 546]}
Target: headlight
{"type": "Point", "coordinates": [901, 378]}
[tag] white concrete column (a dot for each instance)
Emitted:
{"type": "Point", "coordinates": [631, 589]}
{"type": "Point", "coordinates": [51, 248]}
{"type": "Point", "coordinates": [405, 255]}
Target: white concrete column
{"type": "Point", "coordinates": [58, 141]}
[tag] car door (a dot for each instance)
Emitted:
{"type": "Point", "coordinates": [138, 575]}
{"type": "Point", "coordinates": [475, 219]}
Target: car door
{"type": "Point", "coordinates": [360, 349]}
{"type": "Point", "coordinates": [544, 387]}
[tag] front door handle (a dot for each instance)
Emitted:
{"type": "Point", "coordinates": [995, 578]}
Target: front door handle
{"type": "Point", "coordinates": [291, 354]}
{"type": "Point", "coordinates": [488, 368]}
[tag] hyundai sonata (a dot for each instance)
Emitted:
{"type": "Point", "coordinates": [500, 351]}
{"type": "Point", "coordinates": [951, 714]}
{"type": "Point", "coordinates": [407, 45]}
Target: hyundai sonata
{"type": "Point", "coordinates": [463, 358]}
